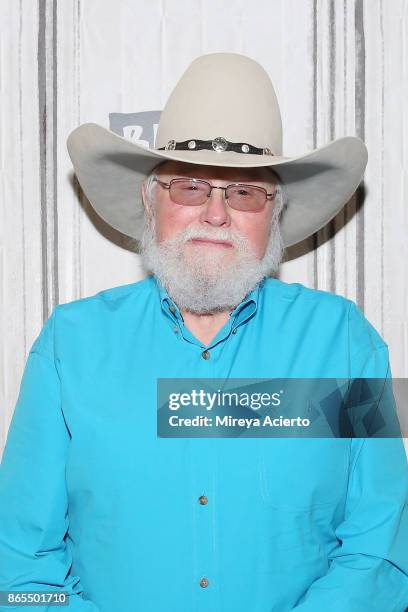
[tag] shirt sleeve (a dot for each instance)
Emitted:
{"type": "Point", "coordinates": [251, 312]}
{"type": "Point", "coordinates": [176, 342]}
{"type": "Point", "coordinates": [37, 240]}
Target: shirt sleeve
{"type": "Point", "coordinates": [34, 520]}
{"type": "Point", "coordinates": [369, 568]}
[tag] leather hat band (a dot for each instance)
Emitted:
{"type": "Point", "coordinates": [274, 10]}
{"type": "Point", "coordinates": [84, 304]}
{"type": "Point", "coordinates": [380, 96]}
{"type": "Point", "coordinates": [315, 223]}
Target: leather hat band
{"type": "Point", "coordinates": [218, 144]}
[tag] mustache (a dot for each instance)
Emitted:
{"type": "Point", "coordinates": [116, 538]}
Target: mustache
{"type": "Point", "coordinates": [224, 234]}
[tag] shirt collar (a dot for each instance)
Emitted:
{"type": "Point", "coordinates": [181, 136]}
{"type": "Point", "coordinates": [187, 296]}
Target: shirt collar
{"type": "Point", "coordinates": [242, 312]}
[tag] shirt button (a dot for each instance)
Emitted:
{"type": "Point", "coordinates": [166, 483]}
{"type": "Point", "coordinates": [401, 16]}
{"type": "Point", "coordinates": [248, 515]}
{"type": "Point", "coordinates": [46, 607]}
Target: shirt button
{"type": "Point", "coordinates": [175, 329]}
{"type": "Point", "coordinates": [205, 354]}
{"type": "Point", "coordinates": [234, 331]}
{"type": "Point", "coordinates": [204, 582]}
{"type": "Point", "coordinates": [203, 500]}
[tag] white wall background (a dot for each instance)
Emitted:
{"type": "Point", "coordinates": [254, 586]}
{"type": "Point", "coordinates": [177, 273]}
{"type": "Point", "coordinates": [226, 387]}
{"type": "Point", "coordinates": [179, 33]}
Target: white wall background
{"type": "Point", "coordinates": [339, 68]}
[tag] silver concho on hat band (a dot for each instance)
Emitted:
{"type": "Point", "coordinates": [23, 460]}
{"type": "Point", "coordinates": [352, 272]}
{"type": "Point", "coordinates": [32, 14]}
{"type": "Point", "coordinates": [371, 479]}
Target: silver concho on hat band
{"type": "Point", "coordinates": [219, 144]}
{"type": "Point", "coordinates": [171, 145]}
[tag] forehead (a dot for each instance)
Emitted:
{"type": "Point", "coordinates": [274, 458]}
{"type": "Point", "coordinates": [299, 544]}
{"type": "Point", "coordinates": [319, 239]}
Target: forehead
{"type": "Point", "coordinates": [172, 168]}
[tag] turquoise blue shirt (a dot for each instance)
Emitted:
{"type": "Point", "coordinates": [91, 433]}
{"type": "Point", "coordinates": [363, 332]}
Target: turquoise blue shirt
{"type": "Point", "coordinates": [92, 502]}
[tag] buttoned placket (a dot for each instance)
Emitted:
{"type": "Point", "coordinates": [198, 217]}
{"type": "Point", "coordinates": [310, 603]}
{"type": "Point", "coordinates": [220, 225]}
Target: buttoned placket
{"type": "Point", "coordinates": [238, 316]}
{"type": "Point", "coordinates": [203, 453]}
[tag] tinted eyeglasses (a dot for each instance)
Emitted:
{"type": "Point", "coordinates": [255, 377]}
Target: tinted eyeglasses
{"type": "Point", "coordinates": [240, 196]}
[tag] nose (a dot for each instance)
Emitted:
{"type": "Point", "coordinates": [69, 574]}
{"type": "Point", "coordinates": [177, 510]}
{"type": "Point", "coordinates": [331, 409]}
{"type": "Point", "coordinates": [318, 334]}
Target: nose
{"type": "Point", "coordinates": [215, 210]}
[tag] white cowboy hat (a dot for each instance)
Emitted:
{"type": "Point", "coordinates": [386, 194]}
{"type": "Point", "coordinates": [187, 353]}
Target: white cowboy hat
{"type": "Point", "coordinates": [222, 112]}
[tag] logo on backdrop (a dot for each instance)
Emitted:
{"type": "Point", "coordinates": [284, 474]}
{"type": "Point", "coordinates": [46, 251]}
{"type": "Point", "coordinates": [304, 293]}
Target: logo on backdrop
{"type": "Point", "coordinates": [140, 127]}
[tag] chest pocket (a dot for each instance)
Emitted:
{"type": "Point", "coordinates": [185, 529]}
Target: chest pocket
{"type": "Point", "coordinates": [300, 474]}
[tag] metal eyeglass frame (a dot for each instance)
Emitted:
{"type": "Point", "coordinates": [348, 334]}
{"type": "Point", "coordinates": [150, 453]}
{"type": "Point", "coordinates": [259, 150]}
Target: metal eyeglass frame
{"type": "Point", "coordinates": [211, 187]}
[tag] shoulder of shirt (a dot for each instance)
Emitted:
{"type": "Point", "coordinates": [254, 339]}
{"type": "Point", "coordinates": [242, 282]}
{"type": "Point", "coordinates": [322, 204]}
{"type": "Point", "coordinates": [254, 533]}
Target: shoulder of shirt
{"type": "Point", "coordinates": [93, 308]}
{"type": "Point", "coordinates": [362, 333]}
{"type": "Point", "coordinates": [298, 291]}
{"type": "Point", "coordinates": [111, 297]}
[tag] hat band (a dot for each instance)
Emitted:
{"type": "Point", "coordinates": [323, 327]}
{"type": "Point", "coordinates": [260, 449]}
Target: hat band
{"type": "Point", "coordinates": [218, 144]}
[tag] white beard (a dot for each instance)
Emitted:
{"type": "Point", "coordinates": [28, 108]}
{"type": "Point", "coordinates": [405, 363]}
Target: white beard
{"type": "Point", "coordinates": [208, 279]}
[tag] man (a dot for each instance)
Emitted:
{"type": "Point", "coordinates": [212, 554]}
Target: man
{"type": "Point", "coordinates": [93, 502]}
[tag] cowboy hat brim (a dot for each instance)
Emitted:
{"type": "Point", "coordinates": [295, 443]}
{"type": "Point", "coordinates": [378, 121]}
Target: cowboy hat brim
{"type": "Point", "coordinates": [110, 169]}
